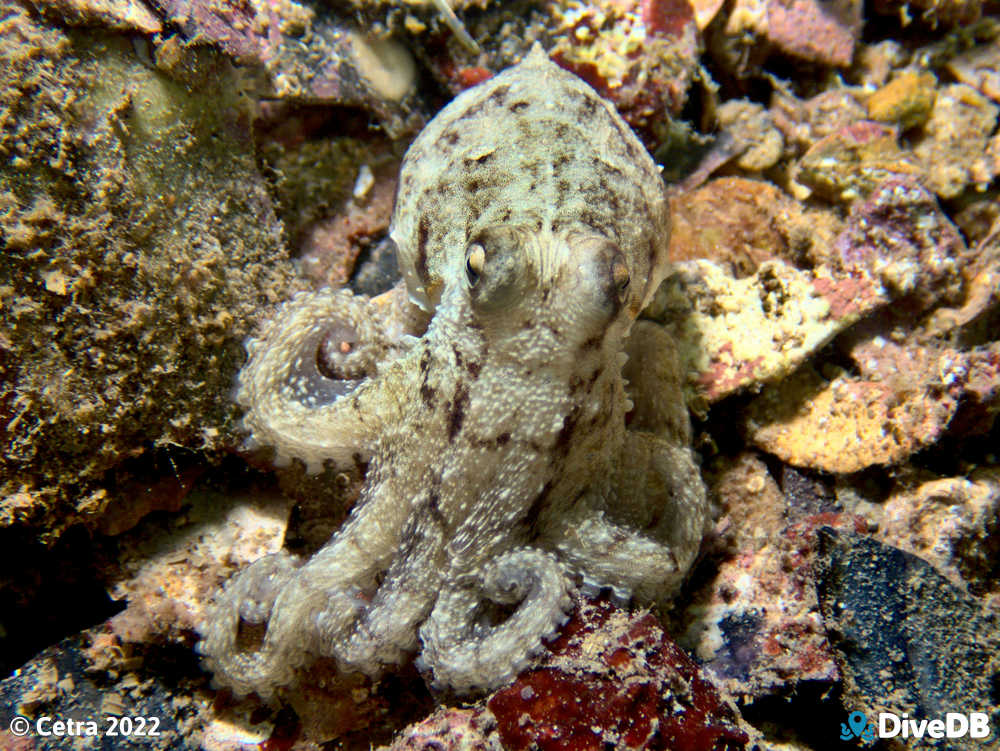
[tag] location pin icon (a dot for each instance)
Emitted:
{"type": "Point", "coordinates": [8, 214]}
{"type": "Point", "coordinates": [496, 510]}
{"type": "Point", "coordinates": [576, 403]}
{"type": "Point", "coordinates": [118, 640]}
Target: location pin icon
{"type": "Point", "coordinates": [857, 722]}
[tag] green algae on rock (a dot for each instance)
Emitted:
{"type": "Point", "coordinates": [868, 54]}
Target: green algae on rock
{"type": "Point", "coordinates": [140, 244]}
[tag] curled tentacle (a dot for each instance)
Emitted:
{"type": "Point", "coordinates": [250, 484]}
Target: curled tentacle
{"type": "Point", "coordinates": [465, 652]}
{"type": "Point", "coordinates": [307, 384]}
{"type": "Point", "coordinates": [304, 620]}
{"type": "Point", "coordinates": [249, 596]}
{"type": "Point", "coordinates": [308, 610]}
{"type": "Point", "coordinates": [641, 538]}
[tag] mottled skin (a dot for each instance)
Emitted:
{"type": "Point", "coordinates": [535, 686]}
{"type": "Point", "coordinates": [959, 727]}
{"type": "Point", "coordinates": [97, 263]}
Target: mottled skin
{"type": "Point", "coordinates": [501, 472]}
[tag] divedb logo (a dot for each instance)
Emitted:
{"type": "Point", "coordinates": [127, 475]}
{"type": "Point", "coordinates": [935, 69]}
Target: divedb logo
{"type": "Point", "coordinates": [891, 725]}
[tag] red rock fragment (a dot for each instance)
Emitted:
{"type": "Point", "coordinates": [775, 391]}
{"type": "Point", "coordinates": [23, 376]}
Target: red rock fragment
{"type": "Point", "coordinates": [143, 496]}
{"type": "Point", "coordinates": [847, 295]}
{"type": "Point", "coordinates": [469, 77]}
{"type": "Point", "coordinates": [614, 680]}
{"type": "Point", "coordinates": [331, 246]}
{"type": "Point", "coordinates": [823, 32]}
{"type": "Point", "coordinates": [725, 374]}
{"type": "Point", "coordinates": [666, 17]}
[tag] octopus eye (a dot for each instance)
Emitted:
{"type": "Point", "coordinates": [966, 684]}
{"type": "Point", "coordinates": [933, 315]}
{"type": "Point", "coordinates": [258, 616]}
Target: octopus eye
{"type": "Point", "coordinates": [620, 276]}
{"type": "Point", "coordinates": [475, 261]}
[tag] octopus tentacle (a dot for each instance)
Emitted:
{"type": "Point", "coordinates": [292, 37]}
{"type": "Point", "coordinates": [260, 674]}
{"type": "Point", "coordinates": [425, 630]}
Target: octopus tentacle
{"type": "Point", "coordinates": [641, 536]}
{"type": "Point", "coordinates": [249, 596]}
{"type": "Point", "coordinates": [308, 387]}
{"type": "Point", "coordinates": [464, 652]}
{"type": "Point", "coordinates": [386, 633]}
{"type": "Point", "coordinates": [308, 609]}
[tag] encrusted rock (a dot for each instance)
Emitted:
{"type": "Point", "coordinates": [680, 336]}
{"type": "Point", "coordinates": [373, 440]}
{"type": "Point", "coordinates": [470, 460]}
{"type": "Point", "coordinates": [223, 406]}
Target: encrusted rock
{"type": "Point", "coordinates": [955, 150]}
{"type": "Point", "coordinates": [805, 122]}
{"type": "Point", "coordinates": [907, 100]}
{"type": "Point", "coordinates": [952, 523]}
{"type": "Point", "coordinates": [845, 424]}
{"type": "Point", "coordinates": [851, 162]}
{"type": "Point", "coordinates": [450, 729]}
{"type": "Point", "coordinates": [614, 679]}
{"type": "Point", "coordinates": [734, 333]}
{"type": "Point", "coordinates": [246, 31]}
{"type": "Point", "coordinates": [875, 63]}
{"type": "Point", "coordinates": [900, 236]}
{"type": "Point", "coordinates": [640, 54]}
{"type": "Point", "coordinates": [732, 221]}
{"type": "Point", "coordinates": [756, 626]}
{"type": "Point", "coordinates": [140, 245]}
{"type": "Point", "coordinates": [823, 33]}
{"type": "Point", "coordinates": [974, 319]}
{"type": "Point", "coordinates": [121, 15]}
{"type": "Point", "coordinates": [980, 68]}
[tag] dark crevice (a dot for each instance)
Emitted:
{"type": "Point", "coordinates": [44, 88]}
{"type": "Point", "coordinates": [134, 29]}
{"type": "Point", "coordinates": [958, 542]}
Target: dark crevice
{"type": "Point", "coordinates": [48, 594]}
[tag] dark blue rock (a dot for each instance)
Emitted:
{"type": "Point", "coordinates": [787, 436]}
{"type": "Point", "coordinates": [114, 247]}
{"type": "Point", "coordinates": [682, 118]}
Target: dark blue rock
{"type": "Point", "coordinates": [909, 640]}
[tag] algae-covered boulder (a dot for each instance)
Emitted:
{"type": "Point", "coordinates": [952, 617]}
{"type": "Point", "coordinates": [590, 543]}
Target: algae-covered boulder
{"type": "Point", "coordinates": [140, 244]}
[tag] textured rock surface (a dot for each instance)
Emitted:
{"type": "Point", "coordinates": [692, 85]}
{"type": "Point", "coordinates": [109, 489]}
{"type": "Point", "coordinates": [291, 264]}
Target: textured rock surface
{"type": "Point", "coordinates": [907, 100]}
{"type": "Point", "coordinates": [140, 244]}
{"type": "Point", "coordinates": [900, 236]}
{"type": "Point", "coordinates": [852, 161]}
{"type": "Point", "coordinates": [912, 643]}
{"type": "Point", "coordinates": [823, 33]}
{"type": "Point", "coordinates": [757, 627]}
{"type": "Point", "coordinates": [735, 333]}
{"type": "Point", "coordinates": [614, 679]}
{"type": "Point", "coordinates": [951, 523]}
{"type": "Point", "coordinates": [956, 150]}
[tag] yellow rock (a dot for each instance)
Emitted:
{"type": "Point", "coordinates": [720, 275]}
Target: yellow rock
{"type": "Point", "coordinates": [908, 100]}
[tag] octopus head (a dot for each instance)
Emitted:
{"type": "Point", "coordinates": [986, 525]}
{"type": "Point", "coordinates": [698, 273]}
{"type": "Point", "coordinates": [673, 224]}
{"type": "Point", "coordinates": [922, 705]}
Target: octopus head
{"type": "Point", "coordinates": [516, 281]}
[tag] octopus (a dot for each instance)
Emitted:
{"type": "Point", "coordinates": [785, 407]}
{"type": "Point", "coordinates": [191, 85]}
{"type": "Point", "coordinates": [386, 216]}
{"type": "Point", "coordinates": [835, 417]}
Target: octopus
{"type": "Point", "coordinates": [509, 463]}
